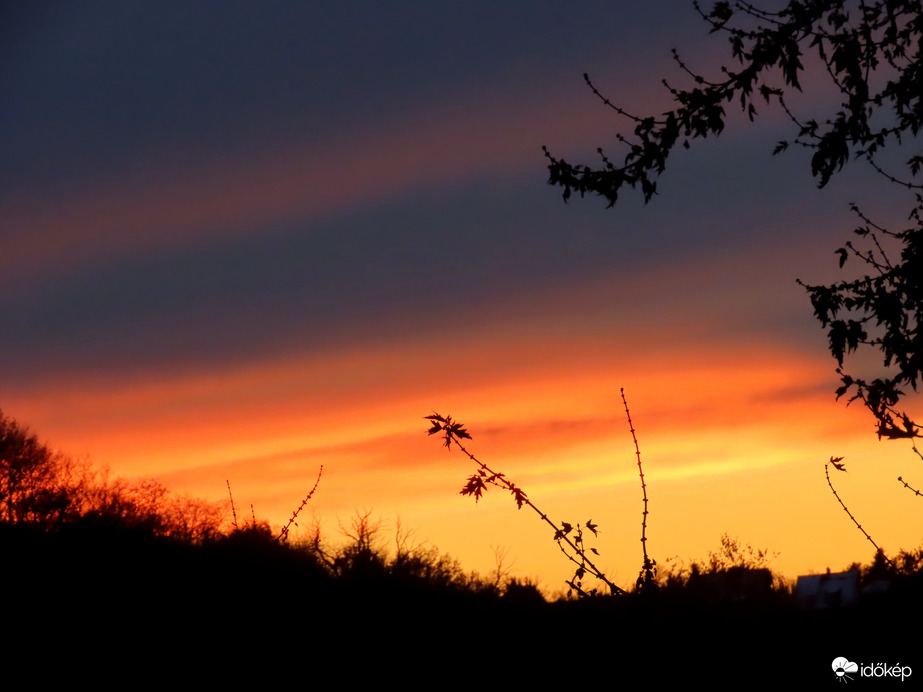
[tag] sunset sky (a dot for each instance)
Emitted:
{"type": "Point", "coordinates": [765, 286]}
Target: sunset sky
{"type": "Point", "coordinates": [240, 240]}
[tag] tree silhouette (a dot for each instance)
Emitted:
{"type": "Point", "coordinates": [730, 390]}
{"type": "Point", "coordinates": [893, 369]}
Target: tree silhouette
{"type": "Point", "coordinates": [31, 488]}
{"type": "Point", "coordinates": [46, 489]}
{"type": "Point", "coordinates": [871, 50]}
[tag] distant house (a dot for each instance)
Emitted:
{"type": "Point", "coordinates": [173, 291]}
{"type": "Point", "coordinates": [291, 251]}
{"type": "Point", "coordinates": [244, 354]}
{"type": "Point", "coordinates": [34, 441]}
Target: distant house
{"type": "Point", "coordinates": [831, 590]}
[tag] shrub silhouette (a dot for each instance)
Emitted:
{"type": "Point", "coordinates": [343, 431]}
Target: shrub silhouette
{"type": "Point", "coordinates": [735, 572]}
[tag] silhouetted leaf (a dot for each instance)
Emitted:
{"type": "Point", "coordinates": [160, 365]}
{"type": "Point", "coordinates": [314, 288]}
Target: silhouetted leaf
{"type": "Point", "coordinates": [475, 486]}
{"type": "Point", "coordinates": [837, 463]}
{"type": "Point", "coordinates": [520, 497]}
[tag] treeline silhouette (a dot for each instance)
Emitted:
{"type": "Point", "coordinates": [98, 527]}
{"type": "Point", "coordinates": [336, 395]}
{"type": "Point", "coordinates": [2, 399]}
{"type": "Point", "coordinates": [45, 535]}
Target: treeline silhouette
{"type": "Point", "coordinates": [99, 567]}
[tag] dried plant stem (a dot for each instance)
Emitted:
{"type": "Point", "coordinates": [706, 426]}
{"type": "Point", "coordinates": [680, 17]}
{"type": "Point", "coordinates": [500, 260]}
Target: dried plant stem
{"type": "Point", "coordinates": [283, 535]}
{"type": "Point", "coordinates": [499, 480]}
{"type": "Point", "coordinates": [646, 578]}
{"type": "Point", "coordinates": [907, 485]}
{"type": "Point", "coordinates": [839, 466]}
{"type": "Point", "coordinates": [233, 510]}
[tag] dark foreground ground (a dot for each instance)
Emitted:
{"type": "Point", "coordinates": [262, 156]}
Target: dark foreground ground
{"type": "Point", "coordinates": [124, 613]}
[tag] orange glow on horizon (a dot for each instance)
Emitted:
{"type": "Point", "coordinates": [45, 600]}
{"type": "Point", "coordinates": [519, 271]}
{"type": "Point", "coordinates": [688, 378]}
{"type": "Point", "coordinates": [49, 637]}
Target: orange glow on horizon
{"type": "Point", "coordinates": [733, 429]}
{"type": "Point", "coordinates": [731, 442]}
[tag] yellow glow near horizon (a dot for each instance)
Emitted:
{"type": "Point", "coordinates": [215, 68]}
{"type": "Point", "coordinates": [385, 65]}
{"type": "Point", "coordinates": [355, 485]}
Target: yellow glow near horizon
{"type": "Point", "coordinates": [739, 448]}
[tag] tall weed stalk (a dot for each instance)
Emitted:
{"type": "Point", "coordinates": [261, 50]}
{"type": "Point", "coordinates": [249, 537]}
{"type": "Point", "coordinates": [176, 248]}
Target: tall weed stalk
{"type": "Point", "coordinates": [647, 579]}
{"type": "Point", "coordinates": [283, 535]}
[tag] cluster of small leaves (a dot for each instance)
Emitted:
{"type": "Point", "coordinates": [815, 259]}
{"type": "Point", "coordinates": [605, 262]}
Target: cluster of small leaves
{"type": "Point", "coordinates": [477, 483]}
{"type": "Point", "coordinates": [450, 429]}
{"type": "Point", "coordinates": [568, 537]}
{"type": "Point", "coordinates": [575, 584]}
{"type": "Point", "coordinates": [882, 310]}
{"type": "Point", "coordinates": [871, 52]}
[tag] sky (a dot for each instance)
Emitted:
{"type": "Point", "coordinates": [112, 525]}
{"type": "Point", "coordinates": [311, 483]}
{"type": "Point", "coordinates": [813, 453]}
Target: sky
{"type": "Point", "coordinates": [239, 241]}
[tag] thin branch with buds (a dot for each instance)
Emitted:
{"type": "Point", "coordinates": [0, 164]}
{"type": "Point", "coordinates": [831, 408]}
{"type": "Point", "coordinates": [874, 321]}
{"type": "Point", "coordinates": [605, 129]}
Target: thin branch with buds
{"type": "Point", "coordinates": [838, 464]}
{"type": "Point", "coordinates": [648, 571]}
{"type": "Point", "coordinates": [907, 485]}
{"type": "Point", "coordinates": [283, 535]}
{"type": "Point", "coordinates": [233, 509]}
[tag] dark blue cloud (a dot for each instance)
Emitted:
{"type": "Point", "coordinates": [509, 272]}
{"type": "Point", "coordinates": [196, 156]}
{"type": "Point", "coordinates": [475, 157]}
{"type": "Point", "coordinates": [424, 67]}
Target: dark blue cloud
{"type": "Point", "coordinates": [98, 89]}
{"type": "Point", "coordinates": [95, 88]}
{"type": "Point", "coordinates": [411, 265]}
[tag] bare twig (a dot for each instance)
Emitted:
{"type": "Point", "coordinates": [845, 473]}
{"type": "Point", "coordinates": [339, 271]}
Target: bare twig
{"type": "Point", "coordinates": [646, 577]}
{"type": "Point", "coordinates": [907, 485]}
{"type": "Point", "coordinates": [838, 464]}
{"type": "Point", "coordinates": [233, 510]}
{"type": "Point", "coordinates": [500, 575]}
{"type": "Point", "coordinates": [283, 535]}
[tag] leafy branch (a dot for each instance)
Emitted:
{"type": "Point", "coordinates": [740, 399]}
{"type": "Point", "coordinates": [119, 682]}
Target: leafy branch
{"type": "Point", "coordinates": [871, 53]}
{"type": "Point", "coordinates": [873, 61]}
{"type": "Point", "coordinates": [569, 537]}
{"type": "Point", "coordinates": [883, 310]}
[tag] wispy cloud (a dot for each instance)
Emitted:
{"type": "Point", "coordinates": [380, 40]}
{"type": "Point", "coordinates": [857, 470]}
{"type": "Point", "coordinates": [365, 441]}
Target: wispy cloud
{"type": "Point", "coordinates": [248, 190]}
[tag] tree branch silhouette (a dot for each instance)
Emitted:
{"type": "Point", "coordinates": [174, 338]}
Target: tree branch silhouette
{"type": "Point", "coordinates": [837, 463]}
{"type": "Point", "coordinates": [573, 548]}
{"type": "Point", "coordinates": [871, 51]}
